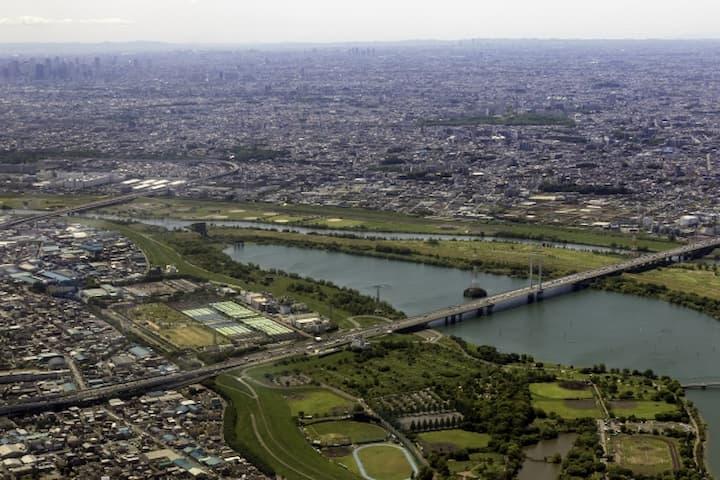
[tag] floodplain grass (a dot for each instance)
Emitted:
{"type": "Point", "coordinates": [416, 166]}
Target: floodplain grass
{"type": "Point", "coordinates": [557, 392]}
{"type": "Point", "coordinates": [643, 409]}
{"type": "Point", "coordinates": [265, 428]}
{"type": "Point", "coordinates": [705, 283]}
{"type": "Point", "coordinates": [354, 432]}
{"type": "Point", "coordinates": [496, 257]}
{"type": "Point", "coordinates": [373, 220]}
{"type": "Point", "coordinates": [317, 402]}
{"type": "Point", "coordinates": [454, 439]}
{"type": "Point", "coordinates": [644, 454]}
{"type": "Point", "coordinates": [385, 462]}
{"type": "Point", "coordinates": [45, 202]}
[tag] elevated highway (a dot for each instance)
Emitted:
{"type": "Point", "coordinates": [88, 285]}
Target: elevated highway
{"type": "Point", "coordinates": [333, 342]}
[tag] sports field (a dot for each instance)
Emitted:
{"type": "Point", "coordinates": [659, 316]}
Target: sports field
{"type": "Point", "coordinates": [174, 327]}
{"type": "Point", "coordinates": [454, 439]}
{"type": "Point", "coordinates": [384, 462]}
{"type": "Point", "coordinates": [645, 454]}
{"type": "Point", "coordinates": [317, 402]}
{"type": "Point", "coordinates": [345, 432]}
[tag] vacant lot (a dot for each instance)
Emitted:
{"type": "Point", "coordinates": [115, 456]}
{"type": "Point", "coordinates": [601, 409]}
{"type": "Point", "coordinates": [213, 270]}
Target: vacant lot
{"type": "Point", "coordinates": [385, 462]}
{"type": "Point", "coordinates": [640, 408]}
{"type": "Point", "coordinates": [317, 403]}
{"type": "Point", "coordinates": [645, 454]}
{"type": "Point", "coordinates": [455, 439]}
{"type": "Point", "coordinates": [345, 432]}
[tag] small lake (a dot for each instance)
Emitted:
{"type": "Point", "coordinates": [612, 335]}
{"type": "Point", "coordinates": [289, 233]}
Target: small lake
{"type": "Point", "coordinates": [535, 467]}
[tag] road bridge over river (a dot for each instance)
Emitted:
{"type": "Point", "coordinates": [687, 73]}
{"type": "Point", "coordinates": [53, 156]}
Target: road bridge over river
{"type": "Point", "coordinates": [536, 292]}
{"type": "Point", "coordinates": [331, 343]}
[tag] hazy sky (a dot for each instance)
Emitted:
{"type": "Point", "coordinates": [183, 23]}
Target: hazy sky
{"type": "Point", "coordinates": [271, 21]}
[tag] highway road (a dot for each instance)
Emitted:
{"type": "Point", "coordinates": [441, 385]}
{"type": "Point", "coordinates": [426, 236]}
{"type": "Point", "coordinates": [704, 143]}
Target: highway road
{"type": "Point", "coordinates": [339, 340]}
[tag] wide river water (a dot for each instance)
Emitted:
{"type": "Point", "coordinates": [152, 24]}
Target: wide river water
{"type": "Point", "coordinates": [579, 328]}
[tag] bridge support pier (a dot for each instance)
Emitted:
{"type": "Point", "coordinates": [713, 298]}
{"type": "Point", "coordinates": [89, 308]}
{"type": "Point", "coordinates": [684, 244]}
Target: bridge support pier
{"type": "Point", "coordinates": [531, 298]}
{"type": "Point", "coordinates": [539, 295]}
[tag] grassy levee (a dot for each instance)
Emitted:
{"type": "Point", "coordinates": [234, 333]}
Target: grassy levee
{"type": "Point", "coordinates": [492, 257]}
{"type": "Point", "coordinates": [263, 429]}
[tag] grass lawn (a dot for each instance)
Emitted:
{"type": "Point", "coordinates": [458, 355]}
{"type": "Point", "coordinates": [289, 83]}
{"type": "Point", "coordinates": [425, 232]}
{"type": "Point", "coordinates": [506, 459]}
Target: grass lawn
{"type": "Point", "coordinates": [558, 391]}
{"type": "Point", "coordinates": [385, 462]}
{"type": "Point", "coordinates": [454, 439]}
{"type": "Point", "coordinates": [264, 429]}
{"type": "Point", "coordinates": [644, 454]}
{"type": "Point", "coordinates": [350, 464]}
{"type": "Point", "coordinates": [569, 409]}
{"type": "Point", "coordinates": [317, 402]}
{"type": "Point", "coordinates": [353, 432]}
{"type": "Point", "coordinates": [569, 400]}
{"type": "Point", "coordinates": [644, 409]}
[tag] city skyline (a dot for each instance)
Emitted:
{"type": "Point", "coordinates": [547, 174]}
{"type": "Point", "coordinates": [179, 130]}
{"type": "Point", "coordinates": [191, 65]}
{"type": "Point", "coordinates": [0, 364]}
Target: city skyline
{"type": "Point", "coordinates": [323, 21]}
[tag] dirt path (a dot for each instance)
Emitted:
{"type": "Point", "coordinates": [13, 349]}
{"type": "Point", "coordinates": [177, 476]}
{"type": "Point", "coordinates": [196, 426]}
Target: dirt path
{"type": "Point", "coordinates": [601, 400]}
{"type": "Point", "coordinates": [677, 464]}
{"type": "Point", "coordinates": [698, 442]}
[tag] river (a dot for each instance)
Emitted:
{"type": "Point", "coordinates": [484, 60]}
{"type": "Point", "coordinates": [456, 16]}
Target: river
{"type": "Point", "coordinates": [579, 328]}
{"type": "Point", "coordinates": [171, 224]}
